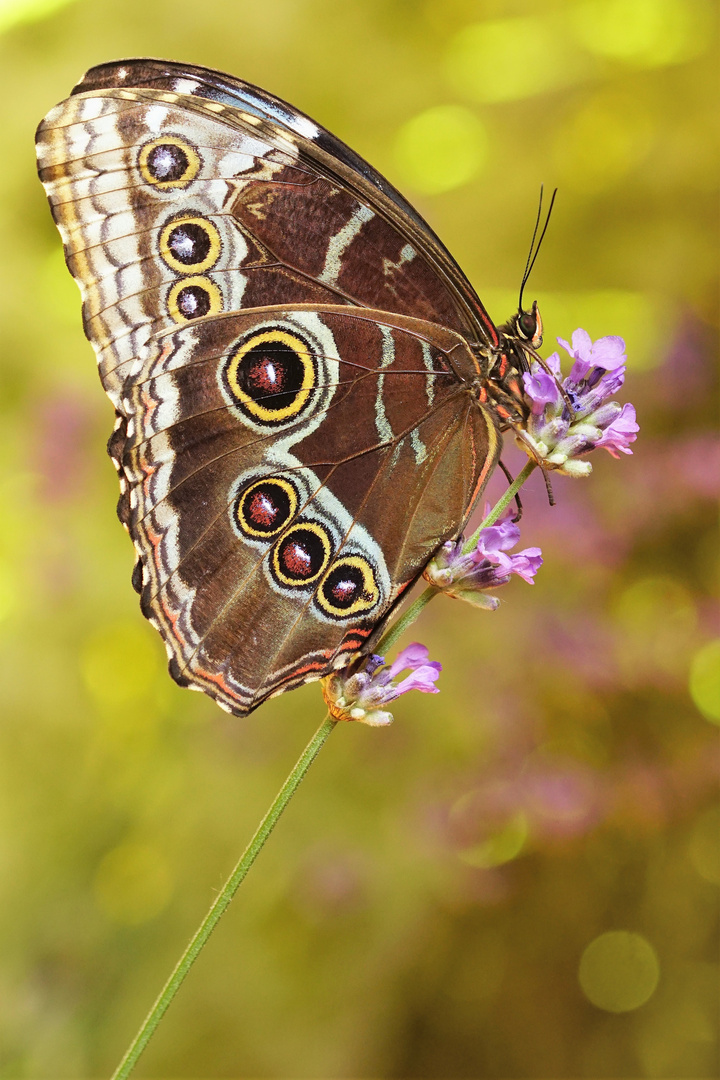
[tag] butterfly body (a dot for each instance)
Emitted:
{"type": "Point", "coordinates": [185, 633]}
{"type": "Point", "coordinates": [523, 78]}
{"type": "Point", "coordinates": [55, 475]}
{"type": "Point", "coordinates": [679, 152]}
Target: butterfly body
{"type": "Point", "coordinates": [309, 394]}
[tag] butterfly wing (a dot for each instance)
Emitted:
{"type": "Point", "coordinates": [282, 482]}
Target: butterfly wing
{"type": "Point", "coordinates": [287, 474]}
{"type": "Point", "coordinates": [198, 214]}
{"type": "Point", "coordinates": [328, 157]}
{"type": "Point", "coordinates": [181, 193]}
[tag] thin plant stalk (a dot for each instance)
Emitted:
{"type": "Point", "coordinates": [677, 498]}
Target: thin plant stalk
{"type": "Point", "coordinates": [271, 818]}
{"type": "Point", "coordinates": [500, 506]}
{"type": "Point", "coordinates": [405, 621]}
{"type": "Point", "coordinates": [222, 902]}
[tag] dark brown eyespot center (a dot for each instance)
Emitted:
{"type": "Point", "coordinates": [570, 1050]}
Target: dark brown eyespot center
{"type": "Point", "coordinates": [343, 585]}
{"type": "Point", "coordinates": [267, 507]}
{"type": "Point", "coordinates": [189, 243]}
{"type": "Point", "coordinates": [193, 301]}
{"type": "Point", "coordinates": [272, 373]}
{"type": "Point", "coordinates": [167, 162]}
{"type": "Point", "coordinates": [302, 554]}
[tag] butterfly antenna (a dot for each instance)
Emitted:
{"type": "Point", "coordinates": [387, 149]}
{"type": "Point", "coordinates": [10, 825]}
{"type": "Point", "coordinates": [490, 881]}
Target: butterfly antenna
{"type": "Point", "coordinates": [533, 256]}
{"type": "Point", "coordinates": [509, 478]}
{"type": "Point", "coordinates": [532, 245]}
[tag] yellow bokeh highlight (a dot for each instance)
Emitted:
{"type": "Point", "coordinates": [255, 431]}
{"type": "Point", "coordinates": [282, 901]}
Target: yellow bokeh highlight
{"type": "Point", "coordinates": [441, 149]}
{"type": "Point", "coordinates": [646, 33]}
{"type": "Point", "coordinates": [14, 12]}
{"type": "Point", "coordinates": [506, 59]}
{"type": "Point", "coordinates": [619, 971]}
{"type": "Point", "coordinates": [132, 884]}
{"type": "Point", "coordinates": [502, 847]}
{"type": "Point", "coordinates": [704, 682]}
{"type": "Point", "coordinates": [704, 845]}
{"type": "Point", "coordinates": [119, 663]}
{"type": "Point", "coordinates": [606, 138]}
{"type": "Point", "coordinates": [656, 618]}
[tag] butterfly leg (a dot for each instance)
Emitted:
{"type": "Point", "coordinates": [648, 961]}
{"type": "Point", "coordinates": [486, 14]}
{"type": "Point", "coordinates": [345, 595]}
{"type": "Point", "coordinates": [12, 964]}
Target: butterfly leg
{"type": "Point", "coordinates": [510, 480]}
{"type": "Point", "coordinates": [521, 437]}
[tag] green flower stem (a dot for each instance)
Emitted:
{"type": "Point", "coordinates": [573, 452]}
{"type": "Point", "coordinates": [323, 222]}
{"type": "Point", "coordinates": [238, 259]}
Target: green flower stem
{"type": "Point", "coordinates": [220, 905]}
{"type": "Point", "coordinates": [283, 797]}
{"type": "Point", "coordinates": [399, 627]}
{"type": "Point", "coordinates": [405, 621]}
{"type": "Point", "coordinates": [500, 506]}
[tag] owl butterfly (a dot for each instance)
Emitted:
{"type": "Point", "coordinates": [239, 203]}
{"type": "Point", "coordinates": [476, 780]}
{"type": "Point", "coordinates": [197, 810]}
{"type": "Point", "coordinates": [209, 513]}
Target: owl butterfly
{"type": "Point", "coordinates": [309, 394]}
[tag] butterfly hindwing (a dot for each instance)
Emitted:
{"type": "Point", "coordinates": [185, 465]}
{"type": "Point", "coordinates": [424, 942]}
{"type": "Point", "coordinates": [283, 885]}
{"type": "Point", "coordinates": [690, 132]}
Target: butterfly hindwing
{"type": "Point", "coordinates": [288, 474]}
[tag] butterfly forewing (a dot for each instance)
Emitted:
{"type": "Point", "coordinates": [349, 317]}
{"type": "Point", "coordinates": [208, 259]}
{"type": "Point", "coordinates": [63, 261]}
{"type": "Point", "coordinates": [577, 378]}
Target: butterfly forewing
{"type": "Point", "coordinates": [455, 302]}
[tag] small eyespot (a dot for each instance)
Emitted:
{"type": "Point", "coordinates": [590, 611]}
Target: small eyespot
{"type": "Point", "coordinates": [190, 244]}
{"type": "Point", "coordinates": [168, 162]}
{"type": "Point", "coordinates": [193, 297]}
{"type": "Point", "coordinates": [270, 376]}
{"type": "Point", "coordinates": [263, 509]}
{"type": "Point", "coordinates": [348, 589]}
{"type": "Point", "coordinates": [301, 554]}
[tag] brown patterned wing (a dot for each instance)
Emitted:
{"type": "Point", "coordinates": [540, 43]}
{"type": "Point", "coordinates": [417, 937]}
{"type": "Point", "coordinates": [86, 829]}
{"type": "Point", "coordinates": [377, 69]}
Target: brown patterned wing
{"type": "Point", "coordinates": [182, 193]}
{"type": "Point", "coordinates": [287, 473]}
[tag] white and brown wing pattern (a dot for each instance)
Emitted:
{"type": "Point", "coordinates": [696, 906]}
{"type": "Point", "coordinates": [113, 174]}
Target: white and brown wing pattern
{"type": "Point", "coordinates": [142, 202]}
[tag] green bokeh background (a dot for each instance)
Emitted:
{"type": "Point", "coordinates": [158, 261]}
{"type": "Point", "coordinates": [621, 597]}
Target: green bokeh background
{"type": "Point", "coordinates": [520, 877]}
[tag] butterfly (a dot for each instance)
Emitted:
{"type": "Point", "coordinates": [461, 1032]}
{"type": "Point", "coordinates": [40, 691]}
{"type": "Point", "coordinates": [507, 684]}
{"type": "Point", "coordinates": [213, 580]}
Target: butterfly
{"type": "Point", "coordinates": [310, 396]}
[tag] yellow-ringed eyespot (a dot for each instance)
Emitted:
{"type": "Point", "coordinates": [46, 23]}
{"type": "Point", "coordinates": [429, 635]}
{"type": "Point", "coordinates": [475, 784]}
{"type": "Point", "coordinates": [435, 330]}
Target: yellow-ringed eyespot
{"type": "Point", "coordinates": [190, 244]}
{"type": "Point", "coordinates": [270, 375]}
{"type": "Point", "coordinates": [264, 508]}
{"type": "Point", "coordinates": [192, 297]}
{"type": "Point", "coordinates": [168, 162]}
{"type": "Point", "coordinates": [301, 554]}
{"type": "Point", "coordinates": [349, 588]}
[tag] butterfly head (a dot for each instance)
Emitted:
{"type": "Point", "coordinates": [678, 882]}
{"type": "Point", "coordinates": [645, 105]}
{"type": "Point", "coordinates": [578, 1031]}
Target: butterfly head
{"type": "Point", "coordinates": [508, 361]}
{"type": "Point", "coordinates": [528, 327]}
{"type": "Point", "coordinates": [519, 339]}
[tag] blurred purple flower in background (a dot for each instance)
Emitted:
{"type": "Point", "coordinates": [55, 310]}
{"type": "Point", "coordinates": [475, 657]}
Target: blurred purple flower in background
{"type": "Point", "coordinates": [468, 576]}
{"type": "Point", "coordinates": [361, 695]}
{"type": "Point", "coordinates": [573, 416]}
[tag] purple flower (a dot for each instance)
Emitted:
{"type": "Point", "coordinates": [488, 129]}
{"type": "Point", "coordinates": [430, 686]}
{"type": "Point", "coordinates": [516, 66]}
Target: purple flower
{"type": "Point", "coordinates": [541, 388]}
{"type": "Point", "coordinates": [361, 695]}
{"type": "Point", "coordinates": [620, 432]}
{"type": "Point", "coordinates": [572, 417]}
{"type": "Point", "coordinates": [607, 353]}
{"type": "Point", "coordinates": [469, 575]}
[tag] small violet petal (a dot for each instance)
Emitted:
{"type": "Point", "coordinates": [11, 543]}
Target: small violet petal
{"type": "Point", "coordinates": [527, 563]}
{"type": "Point", "coordinates": [411, 657]}
{"type": "Point", "coordinates": [422, 679]}
{"type": "Point", "coordinates": [498, 538]}
{"type": "Point", "coordinates": [621, 432]}
{"type": "Point", "coordinates": [542, 390]}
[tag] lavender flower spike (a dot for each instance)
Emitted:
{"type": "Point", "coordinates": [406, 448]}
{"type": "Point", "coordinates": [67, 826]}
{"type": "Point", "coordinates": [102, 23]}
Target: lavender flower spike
{"type": "Point", "coordinates": [469, 576]}
{"type": "Point", "coordinates": [556, 435]}
{"type": "Point", "coordinates": [361, 695]}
